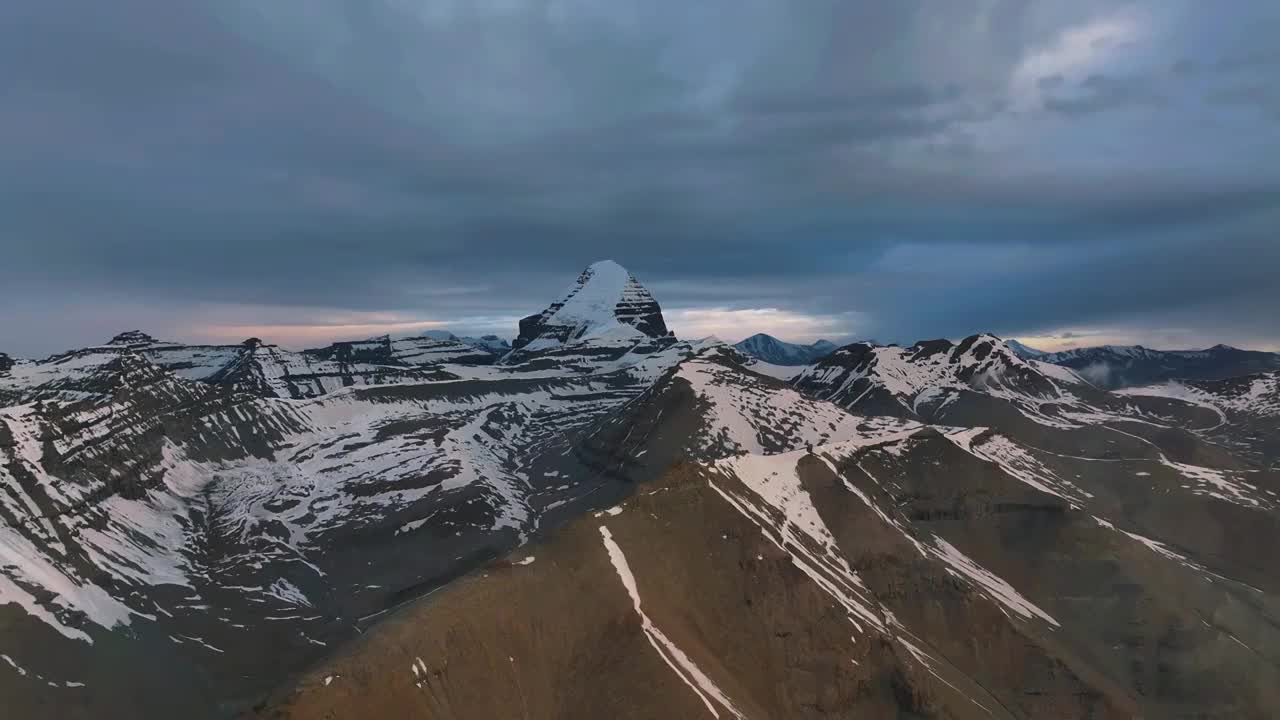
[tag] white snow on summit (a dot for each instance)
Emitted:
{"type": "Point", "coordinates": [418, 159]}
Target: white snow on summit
{"type": "Point", "coordinates": [606, 302]}
{"type": "Point", "coordinates": [592, 302]}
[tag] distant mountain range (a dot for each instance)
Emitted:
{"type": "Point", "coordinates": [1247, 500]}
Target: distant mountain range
{"type": "Point", "coordinates": [774, 351]}
{"type": "Point", "coordinates": [491, 343]}
{"type": "Point", "coordinates": [1114, 366]}
{"type": "Point", "coordinates": [604, 520]}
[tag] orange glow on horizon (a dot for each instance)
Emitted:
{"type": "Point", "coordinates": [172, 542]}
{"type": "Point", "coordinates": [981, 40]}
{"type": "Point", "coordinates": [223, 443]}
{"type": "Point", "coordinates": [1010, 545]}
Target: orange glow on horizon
{"type": "Point", "coordinates": [310, 334]}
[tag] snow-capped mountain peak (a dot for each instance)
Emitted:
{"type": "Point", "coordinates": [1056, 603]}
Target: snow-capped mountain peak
{"type": "Point", "coordinates": [605, 300]}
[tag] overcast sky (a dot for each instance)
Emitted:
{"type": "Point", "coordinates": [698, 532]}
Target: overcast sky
{"type": "Point", "coordinates": [303, 170]}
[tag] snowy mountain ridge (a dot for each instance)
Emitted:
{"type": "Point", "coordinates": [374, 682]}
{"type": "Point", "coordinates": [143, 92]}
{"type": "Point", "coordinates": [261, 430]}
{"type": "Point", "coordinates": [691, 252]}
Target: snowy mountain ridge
{"type": "Point", "coordinates": [931, 374]}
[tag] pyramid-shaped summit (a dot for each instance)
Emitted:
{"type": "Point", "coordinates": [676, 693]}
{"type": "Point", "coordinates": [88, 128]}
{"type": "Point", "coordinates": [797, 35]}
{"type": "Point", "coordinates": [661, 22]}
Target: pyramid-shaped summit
{"type": "Point", "coordinates": [605, 298]}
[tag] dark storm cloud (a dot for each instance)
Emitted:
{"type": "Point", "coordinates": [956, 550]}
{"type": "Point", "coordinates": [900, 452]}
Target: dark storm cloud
{"type": "Point", "coordinates": [442, 160]}
{"type": "Point", "coordinates": [1171, 277]}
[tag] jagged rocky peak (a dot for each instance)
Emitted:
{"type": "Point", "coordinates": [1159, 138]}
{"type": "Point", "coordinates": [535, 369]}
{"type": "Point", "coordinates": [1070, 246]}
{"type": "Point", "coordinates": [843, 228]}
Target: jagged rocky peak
{"type": "Point", "coordinates": [979, 347]}
{"type": "Point", "coordinates": [986, 353]}
{"type": "Point", "coordinates": [132, 338]}
{"type": "Point", "coordinates": [124, 371]}
{"type": "Point", "coordinates": [6, 362]}
{"type": "Point", "coordinates": [974, 355]}
{"type": "Point", "coordinates": [605, 298]}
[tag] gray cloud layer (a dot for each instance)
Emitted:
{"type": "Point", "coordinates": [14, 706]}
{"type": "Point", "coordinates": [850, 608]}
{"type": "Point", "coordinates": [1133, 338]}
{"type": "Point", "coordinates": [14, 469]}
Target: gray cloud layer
{"type": "Point", "coordinates": [926, 168]}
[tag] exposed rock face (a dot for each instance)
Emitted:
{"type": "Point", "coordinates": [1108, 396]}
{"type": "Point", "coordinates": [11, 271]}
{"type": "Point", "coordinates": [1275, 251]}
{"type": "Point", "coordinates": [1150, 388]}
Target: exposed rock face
{"type": "Point", "coordinates": [604, 297]}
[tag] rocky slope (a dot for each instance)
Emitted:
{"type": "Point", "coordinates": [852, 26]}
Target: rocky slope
{"type": "Point", "coordinates": [782, 558]}
{"type": "Point", "coordinates": [1255, 395]}
{"type": "Point", "coordinates": [1248, 410]}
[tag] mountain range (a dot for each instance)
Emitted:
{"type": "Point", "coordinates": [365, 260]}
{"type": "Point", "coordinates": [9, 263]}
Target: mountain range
{"type": "Point", "coordinates": [1116, 366]}
{"type": "Point", "coordinates": [772, 350]}
{"type": "Point", "coordinates": [605, 520]}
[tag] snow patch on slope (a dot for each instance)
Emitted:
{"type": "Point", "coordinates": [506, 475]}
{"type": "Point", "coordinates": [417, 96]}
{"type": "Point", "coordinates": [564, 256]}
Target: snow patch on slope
{"type": "Point", "coordinates": [1220, 484]}
{"type": "Point", "coordinates": [1016, 461]}
{"type": "Point", "coordinates": [684, 668]}
{"type": "Point", "coordinates": [744, 416]}
{"type": "Point", "coordinates": [23, 566]}
{"type": "Point", "coordinates": [995, 586]}
{"type": "Point", "coordinates": [1261, 397]}
{"type": "Point", "coordinates": [778, 504]}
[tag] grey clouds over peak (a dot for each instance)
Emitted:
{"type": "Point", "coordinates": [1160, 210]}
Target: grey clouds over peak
{"type": "Point", "coordinates": [323, 169]}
